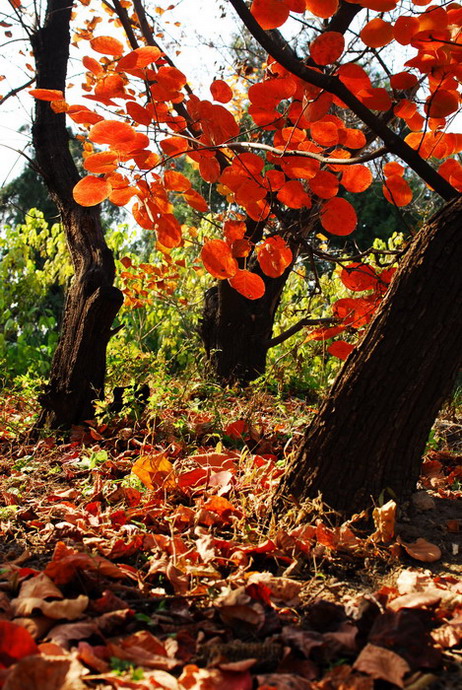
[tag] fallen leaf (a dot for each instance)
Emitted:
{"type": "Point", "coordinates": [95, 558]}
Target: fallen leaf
{"type": "Point", "coordinates": [15, 643]}
{"type": "Point", "coordinates": [40, 672]}
{"type": "Point", "coordinates": [382, 663]}
{"type": "Point", "coordinates": [422, 550]}
{"type": "Point", "coordinates": [384, 521]}
{"type": "Point", "coordinates": [155, 471]}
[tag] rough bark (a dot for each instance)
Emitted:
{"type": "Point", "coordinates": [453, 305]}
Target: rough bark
{"type": "Point", "coordinates": [371, 431]}
{"type": "Point", "coordinates": [236, 331]}
{"type": "Point", "coordinates": [78, 366]}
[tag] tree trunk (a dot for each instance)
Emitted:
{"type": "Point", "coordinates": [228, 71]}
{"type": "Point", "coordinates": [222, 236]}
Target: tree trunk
{"type": "Point", "coordinates": [370, 433]}
{"type": "Point", "coordinates": [236, 331]}
{"type": "Point", "coordinates": [79, 363]}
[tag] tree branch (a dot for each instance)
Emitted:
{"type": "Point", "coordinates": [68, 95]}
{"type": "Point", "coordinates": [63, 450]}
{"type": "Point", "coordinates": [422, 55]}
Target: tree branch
{"type": "Point", "coordinates": [333, 85]}
{"type": "Point", "coordinates": [13, 92]}
{"type": "Point", "coordinates": [282, 337]}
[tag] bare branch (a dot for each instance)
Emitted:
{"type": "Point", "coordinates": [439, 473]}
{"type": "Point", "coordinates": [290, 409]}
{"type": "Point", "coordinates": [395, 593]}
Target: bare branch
{"type": "Point", "coordinates": [282, 337]}
{"type": "Point", "coordinates": [17, 90]}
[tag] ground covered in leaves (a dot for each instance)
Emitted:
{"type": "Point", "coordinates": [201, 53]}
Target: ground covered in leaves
{"type": "Point", "coordinates": [141, 554]}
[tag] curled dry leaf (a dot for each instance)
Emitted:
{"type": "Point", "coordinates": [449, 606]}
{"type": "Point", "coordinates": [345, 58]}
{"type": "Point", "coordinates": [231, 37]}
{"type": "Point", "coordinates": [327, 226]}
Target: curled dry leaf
{"type": "Point", "coordinates": [384, 521]}
{"type": "Point", "coordinates": [69, 609]}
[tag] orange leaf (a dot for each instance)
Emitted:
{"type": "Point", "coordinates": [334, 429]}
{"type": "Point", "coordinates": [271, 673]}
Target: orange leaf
{"type": "Point", "coordinates": [196, 201]}
{"type": "Point", "coordinates": [93, 65]}
{"type": "Point", "coordinates": [397, 191]}
{"type": "Point", "coordinates": [111, 132]}
{"type": "Point", "coordinates": [359, 277]}
{"type": "Point", "coordinates": [101, 162]}
{"type": "Point", "coordinates": [340, 349]}
{"type": "Point", "coordinates": [47, 94]}
{"type": "Point", "coordinates": [209, 169]}
{"type": "Point", "coordinates": [139, 58]}
{"type": "Point", "coordinates": [221, 91]}
{"type": "Point", "coordinates": [108, 45]}
{"type": "Point", "coordinates": [248, 284]}
{"type": "Point", "coordinates": [325, 133]}
{"type": "Point", "coordinates": [168, 231]}
{"type": "Point", "coordinates": [405, 28]}
{"type": "Point", "coordinates": [324, 184]}
{"type": "Point", "coordinates": [322, 8]}
{"type": "Point", "coordinates": [338, 217]}
{"type": "Point", "coordinates": [176, 181]}
{"type": "Point", "coordinates": [154, 471]}
{"type": "Point", "coordinates": [234, 230]}
{"type": "Point", "coordinates": [442, 103]}
{"type": "Point", "coordinates": [377, 33]}
{"type": "Point", "coordinates": [403, 80]}
{"type": "Point", "coordinates": [141, 115]}
{"type": "Point", "coordinates": [91, 191]}
{"type": "Point", "coordinates": [270, 13]}
{"type": "Point", "coordinates": [174, 146]}
{"type": "Point", "coordinates": [393, 168]}
{"type": "Point", "coordinates": [356, 178]}
{"type": "Point", "coordinates": [327, 47]}
{"type": "Point", "coordinates": [218, 259]}
{"type": "Point", "coordinates": [292, 194]}
{"type": "Point", "coordinates": [274, 256]}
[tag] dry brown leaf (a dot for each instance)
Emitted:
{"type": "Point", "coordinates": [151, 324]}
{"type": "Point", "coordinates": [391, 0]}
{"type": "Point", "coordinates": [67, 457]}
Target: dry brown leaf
{"type": "Point", "coordinates": [63, 634]}
{"type": "Point", "coordinates": [40, 672]}
{"type": "Point", "coordinates": [384, 521]}
{"type": "Point", "coordinates": [40, 586]}
{"type": "Point", "coordinates": [382, 663]}
{"type": "Point", "coordinates": [282, 588]}
{"type": "Point", "coordinates": [69, 609]}
{"type": "Point", "coordinates": [284, 681]}
{"type": "Point", "coordinates": [415, 600]}
{"type": "Point", "coordinates": [38, 626]}
{"type": "Point", "coordinates": [422, 550]}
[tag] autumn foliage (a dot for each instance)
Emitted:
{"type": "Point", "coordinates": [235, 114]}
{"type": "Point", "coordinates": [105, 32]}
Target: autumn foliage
{"type": "Point", "coordinates": [320, 149]}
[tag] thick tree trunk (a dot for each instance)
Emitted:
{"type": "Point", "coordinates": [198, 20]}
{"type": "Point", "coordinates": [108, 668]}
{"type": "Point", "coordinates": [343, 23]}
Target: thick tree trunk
{"type": "Point", "coordinates": [236, 331]}
{"type": "Point", "coordinates": [370, 433]}
{"type": "Point", "coordinates": [78, 367]}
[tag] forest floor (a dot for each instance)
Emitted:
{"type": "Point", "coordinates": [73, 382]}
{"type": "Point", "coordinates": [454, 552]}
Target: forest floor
{"type": "Point", "coordinates": [140, 554]}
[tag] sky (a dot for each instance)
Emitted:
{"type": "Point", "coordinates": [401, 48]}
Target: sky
{"type": "Point", "coordinates": [200, 40]}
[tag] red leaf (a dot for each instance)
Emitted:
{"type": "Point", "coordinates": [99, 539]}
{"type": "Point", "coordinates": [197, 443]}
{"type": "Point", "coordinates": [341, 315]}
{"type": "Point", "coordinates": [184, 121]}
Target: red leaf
{"type": "Point", "coordinates": [91, 191]}
{"type": "Point", "coordinates": [248, 284]}
{"type": "Point", "coordinates": [270, 13]}
{"type": "Point", "coordinates": [356, 178]}
{"type": "Point", "coordinates": [327, 47]}
{"type": "Point", "coordinates": [397, 191]}
{"type": "Point", "coordinates": [377, 33]}
{"type": "Point", "coordinates": [292, 194]}
{"type": "Point", "coordinates": [218, 260]}
{"type": "Point", "coordinates": [139, 58]}
{"type": "Point", "coordinates": [15, 643]}
{"type": "Point", "coordinates": [322, 8]}
{"type": "Point", "coordinates": [221, 91]}
{"type": "Point", "coordinates": [340, 349]}
{"type": "Point", "coordinates": [359, 277]}
{"type": "Point", "coordinates": [47, 94]}
{"type": "Point", "coordinates": [338, 217]}
{"type": "Point", "coordinates": [274, 256]}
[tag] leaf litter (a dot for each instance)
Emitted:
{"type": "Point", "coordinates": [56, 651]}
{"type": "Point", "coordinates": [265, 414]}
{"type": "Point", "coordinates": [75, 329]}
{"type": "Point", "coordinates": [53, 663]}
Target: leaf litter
{"type": "Point", "coordinates": [135, 557]}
